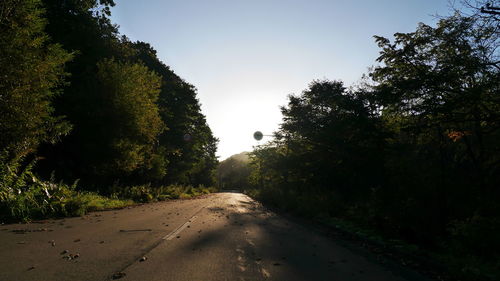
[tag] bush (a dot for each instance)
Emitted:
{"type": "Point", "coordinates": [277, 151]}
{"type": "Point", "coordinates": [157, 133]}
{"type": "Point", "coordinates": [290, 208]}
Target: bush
{"type": "Point", "coordinates": [477, 235]}
{"type": "Point", "coordinates": [24, 197]}
{"type": "Point", "coordinates": [147, 193]}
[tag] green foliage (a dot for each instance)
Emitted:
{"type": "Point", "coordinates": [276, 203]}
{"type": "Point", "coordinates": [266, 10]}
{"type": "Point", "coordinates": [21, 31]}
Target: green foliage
{"type": "Point", "coordinates": [128, 116]}
{"type": "Point", "coordinates": [81, 203]}
{"type": "Point", "coordinates": [130, 124]}
{"type": "Point", "coordinates": [148, 193]}
{"type": "Point", "coordinates": [413, 155]}
{"type": "Point", "coordinates": [329, 143]}
{"type": "Point", "coordinates": [108, 70]}
{"type": "Point", "coordinates": [23, 196]}
{"type": "Point", "coordinates": [31, 69]}
{"type": "Point", "coordinates": [127, 111]}
{"type": "Point", "coordinates": [188, 143]}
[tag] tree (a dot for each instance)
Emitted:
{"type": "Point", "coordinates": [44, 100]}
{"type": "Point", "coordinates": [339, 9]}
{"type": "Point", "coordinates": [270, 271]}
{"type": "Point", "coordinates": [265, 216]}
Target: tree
{"type": "Point", "coordinates": [127, 123]}
{"type": "Point", "coordinates": [439, 86]}
{"type": "Point", "coordinates": [332, 134]}
{"type": "Point", "coordinates": [32, 69]}
{"type": "Point", "coordinates": [189, 143]}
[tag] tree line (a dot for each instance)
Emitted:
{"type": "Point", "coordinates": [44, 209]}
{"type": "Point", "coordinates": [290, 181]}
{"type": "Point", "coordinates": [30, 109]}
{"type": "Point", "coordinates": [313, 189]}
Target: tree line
{"type": "Point", "coordinates": [413, 151]}
{"type": "Point", "coordinates": [86, 103]}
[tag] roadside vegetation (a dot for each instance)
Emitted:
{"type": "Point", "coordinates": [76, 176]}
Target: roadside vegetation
{"type": "Point", "coordinates": [89, 119]}
{"type": "Point", "coordinates": [24, 197]}
{"type": "Point", "coordinates": [409, 156]}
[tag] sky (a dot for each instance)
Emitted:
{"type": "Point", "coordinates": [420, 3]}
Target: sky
{"type": "Point", "coordinates": [246, 57]}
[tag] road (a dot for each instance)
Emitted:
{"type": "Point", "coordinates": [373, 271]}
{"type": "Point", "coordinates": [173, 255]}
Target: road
{"type": "Point", "coordinates": [222, 236]}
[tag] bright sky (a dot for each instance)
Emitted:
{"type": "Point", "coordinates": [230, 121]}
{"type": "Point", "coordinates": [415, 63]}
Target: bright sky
{"type": "Point", "coordinates": [246, 56]}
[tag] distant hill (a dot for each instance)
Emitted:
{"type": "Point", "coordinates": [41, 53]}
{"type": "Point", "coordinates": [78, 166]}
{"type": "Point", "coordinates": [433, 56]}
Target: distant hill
{"type": "Point", "coordinates": [242, 156]}
{"type": "Point", "coordinates": [233, 173]}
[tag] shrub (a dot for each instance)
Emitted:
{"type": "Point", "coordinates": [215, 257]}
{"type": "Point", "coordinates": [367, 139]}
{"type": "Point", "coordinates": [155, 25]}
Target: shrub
{"type": "Point", "coordinates": [23, 196]}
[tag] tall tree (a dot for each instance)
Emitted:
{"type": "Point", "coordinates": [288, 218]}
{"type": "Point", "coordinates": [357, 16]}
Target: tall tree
{"type": "Point", "coordinates": [332, 134]}
{"type": "Point", "coordinates": [189, 143]}
{"type": "Point", "coordinates": [32, 69]}
{"type": "Point", "coordinates": [125, 125]}
{"type": "Point", "coordinates": [439, 87]}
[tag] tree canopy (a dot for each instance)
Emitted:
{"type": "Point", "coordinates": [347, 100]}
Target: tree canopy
{"type": "Point", "coordinates": [32, 69]}
{"type": "Point", "coordinates": [94, 106]}
{"type": "Point", "coordinates": [412, 152]}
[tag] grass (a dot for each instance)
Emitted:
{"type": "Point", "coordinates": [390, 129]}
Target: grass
{"type": "Point", "coordinates": [83, 202]}
{"type": "Point", "coordinates": [24, 197]}
{"type": "Point", "coordinates": [147, 193]}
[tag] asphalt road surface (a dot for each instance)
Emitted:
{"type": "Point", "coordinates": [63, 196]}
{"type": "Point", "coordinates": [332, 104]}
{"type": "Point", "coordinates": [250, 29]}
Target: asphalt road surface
{"type": "Point", "coordinates": [223, 236]}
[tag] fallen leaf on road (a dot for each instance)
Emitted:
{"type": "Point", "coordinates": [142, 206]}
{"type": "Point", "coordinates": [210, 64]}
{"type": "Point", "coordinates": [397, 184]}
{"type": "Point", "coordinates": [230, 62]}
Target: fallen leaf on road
{"type": "Point", "coordinates": [64, 252]}
{"type": "Point", "coordinates": [119, 275]}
